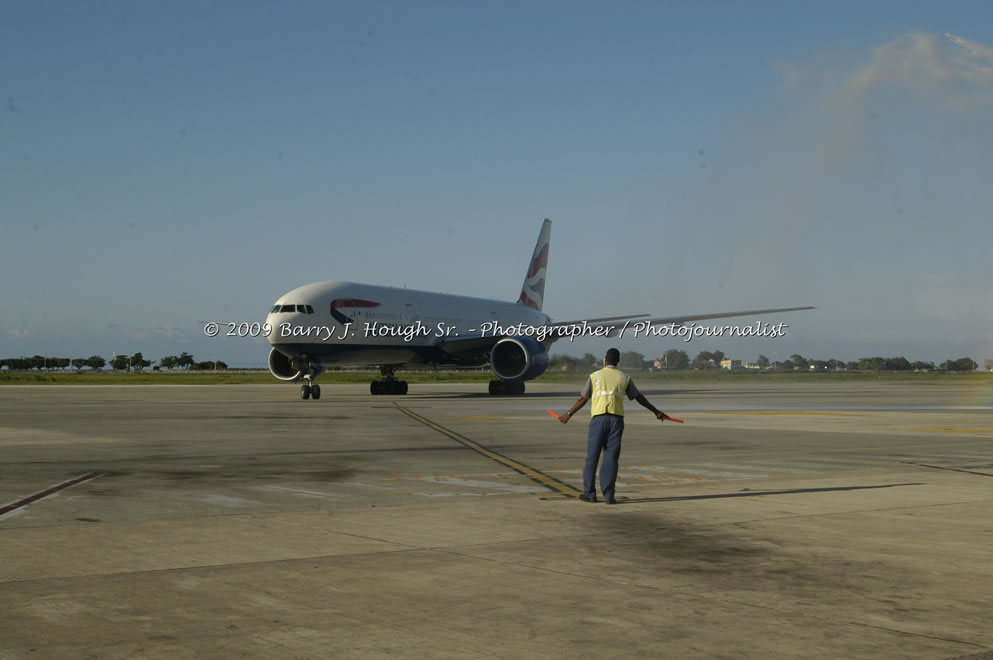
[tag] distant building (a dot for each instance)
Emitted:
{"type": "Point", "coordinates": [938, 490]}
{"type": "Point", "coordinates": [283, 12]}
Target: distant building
{"type": "Point", "coordinates": [731, 365]}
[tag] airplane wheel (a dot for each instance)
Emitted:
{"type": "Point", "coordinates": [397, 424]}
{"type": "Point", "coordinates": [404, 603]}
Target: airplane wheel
{"type": "Point", "coordinates": [374, 388]}
{"type": "Point", "coordinates": [518, 387]}
{"type": "Point", "coordinates": [403, 387]}
{"type": "Point", "coordinates": [315, 392]}
{"type": "Point", "coordinates": [496, 387]}
{"type": "Point", "coordinates": [305, 392]}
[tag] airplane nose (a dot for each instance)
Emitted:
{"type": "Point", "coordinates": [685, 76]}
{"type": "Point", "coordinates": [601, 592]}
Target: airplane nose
{"type": "Point", "coordinates": [272, 328]}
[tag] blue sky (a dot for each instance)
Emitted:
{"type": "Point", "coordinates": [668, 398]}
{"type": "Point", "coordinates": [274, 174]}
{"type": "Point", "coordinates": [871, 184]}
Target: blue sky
{"type": "Point", "coordinates": [162, 163]}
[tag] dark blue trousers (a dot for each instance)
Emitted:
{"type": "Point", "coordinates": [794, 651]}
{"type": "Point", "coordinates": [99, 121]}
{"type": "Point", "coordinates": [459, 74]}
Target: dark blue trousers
{"type": "Point", "coordinates": [604, 436]}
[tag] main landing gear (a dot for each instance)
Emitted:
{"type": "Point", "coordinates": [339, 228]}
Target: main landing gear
{"type": "Point", "coordinates": [310, 391]}
{"type": "Point", "coordinates": [389, 385]}
{"type": "Point", "coordinates": [515, 387]}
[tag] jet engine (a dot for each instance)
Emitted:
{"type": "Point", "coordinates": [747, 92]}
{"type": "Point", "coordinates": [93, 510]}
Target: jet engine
{"type": "Point", "coordinates": [518, 358]}
{"type": "Point", "coordinates": [282, 367]}
{"type": "Point", "coordinates": [285, 368]}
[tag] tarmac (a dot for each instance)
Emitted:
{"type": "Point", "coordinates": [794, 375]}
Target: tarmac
{"type": "Point", "coordinates": [782, 520]}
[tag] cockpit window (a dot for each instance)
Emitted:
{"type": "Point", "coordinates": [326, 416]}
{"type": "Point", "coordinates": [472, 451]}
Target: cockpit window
{"type": "Point", "coordinates": [302, 309]}
{"type": "Point", "coordinates": [275, 308]}
{"type": "Point", "coordinates": [310, 310]}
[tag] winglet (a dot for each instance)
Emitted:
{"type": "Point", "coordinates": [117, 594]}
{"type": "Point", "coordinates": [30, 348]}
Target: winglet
{"type": "Point", "coordinates": [533, 291]}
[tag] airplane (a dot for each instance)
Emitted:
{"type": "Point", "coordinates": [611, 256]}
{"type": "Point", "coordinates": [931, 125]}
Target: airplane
{"type": "Point", "coordinates": [331, 323]}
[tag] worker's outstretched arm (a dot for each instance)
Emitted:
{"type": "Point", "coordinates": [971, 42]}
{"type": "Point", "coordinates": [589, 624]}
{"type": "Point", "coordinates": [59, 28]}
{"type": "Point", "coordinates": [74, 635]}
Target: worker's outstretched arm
{"type": "Point", "coordinates": [580, 402]}
{"type": "Point", "coordinates": [659, 415]}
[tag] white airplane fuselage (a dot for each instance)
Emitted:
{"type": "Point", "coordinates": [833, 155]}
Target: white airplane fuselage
{"type": "Point", "coordinates": [339, 322]}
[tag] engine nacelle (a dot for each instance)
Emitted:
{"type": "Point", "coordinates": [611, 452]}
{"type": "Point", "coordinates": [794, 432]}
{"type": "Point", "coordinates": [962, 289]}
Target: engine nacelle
{"type": "Point", "coordinates": [518, 358]}
{"type": "Point", "coordinates": [282, 367]}
{"type": "Point", "coordinates": [285, 368]}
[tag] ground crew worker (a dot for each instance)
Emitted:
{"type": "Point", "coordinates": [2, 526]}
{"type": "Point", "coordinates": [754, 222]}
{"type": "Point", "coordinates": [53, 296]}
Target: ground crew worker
{"type": "Point", "coordinates": [606, 388]}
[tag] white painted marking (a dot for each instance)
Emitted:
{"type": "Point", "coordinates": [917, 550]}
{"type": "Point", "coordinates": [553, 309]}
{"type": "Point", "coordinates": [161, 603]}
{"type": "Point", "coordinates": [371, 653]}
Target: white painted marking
{"type": "Point", "coordinates": [15, 512]}
{"type": "Point", "coordinates": [52, 491]}
{"type": "Point", "coordinates": [355, 483]}
{"type": "Point", "coordinates": [230, 502]}
{"type": "Point", "coordinates": [312, 493]}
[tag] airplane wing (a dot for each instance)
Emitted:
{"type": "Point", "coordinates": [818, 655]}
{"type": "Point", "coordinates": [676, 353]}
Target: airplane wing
{"type": "Point", "coordinates": [481, 343]}
{"type": "Point", "coordinates": [469, 345]}
{"type": "Point", "coordinates": [478, 345]}
{"type": "Point", "coordinates": [617, 322]}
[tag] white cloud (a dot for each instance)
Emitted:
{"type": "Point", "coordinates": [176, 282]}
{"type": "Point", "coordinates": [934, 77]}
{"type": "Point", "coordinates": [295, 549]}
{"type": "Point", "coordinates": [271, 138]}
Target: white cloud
{"type": "Point", "coordinates": [951, 70]}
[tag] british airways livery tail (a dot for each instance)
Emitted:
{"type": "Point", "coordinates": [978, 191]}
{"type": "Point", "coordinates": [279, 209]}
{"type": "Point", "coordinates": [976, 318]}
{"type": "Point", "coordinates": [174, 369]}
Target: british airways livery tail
{"type": "Point", "coordinates": [533, 291]}
{"type": "Point", "coordinates": [345, 323]}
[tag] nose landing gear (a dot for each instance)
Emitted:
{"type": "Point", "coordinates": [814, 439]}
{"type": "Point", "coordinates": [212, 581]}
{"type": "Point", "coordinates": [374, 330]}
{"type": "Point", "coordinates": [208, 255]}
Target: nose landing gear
{"type": "Point", "coordinates": [310, 391]}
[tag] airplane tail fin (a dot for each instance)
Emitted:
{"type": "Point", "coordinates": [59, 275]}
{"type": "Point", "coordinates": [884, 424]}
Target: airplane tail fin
{"type": "Point", "coordinates": [533, 291]}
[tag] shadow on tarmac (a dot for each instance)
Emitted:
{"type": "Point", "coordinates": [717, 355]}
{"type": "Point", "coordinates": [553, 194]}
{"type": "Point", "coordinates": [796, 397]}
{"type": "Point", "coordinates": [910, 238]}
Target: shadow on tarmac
{"type": "Point", "coordinates": [754, 493]}
{"type": "Point", "coordinates": [482, 394]}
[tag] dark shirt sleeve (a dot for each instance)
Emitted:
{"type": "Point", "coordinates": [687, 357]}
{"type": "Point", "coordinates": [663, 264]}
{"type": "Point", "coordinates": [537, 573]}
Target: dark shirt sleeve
{"type": "Point", "coordinates": [632, 391]}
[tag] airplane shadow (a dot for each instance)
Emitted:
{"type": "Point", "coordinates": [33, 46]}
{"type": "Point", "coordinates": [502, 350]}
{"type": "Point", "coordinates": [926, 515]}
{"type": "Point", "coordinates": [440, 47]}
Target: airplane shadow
{"type": "Point", "coordinates": [538, 395]}
{"type": "Point", "coordinates": [486, 395]}
{"type": "Point", "coordinates": [755, 493]}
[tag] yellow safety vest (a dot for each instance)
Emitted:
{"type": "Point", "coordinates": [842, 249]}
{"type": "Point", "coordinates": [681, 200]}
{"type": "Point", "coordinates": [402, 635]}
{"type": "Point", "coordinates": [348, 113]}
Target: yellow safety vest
{"type": "Point", "coordinates": [609, 385]}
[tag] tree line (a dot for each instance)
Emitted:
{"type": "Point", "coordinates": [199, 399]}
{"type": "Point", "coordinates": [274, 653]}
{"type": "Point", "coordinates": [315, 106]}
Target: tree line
{"type": "Point", "coordinates": [671, 360]}
{"type": "Point", "coordinates": [136, 362]}
{"type": "Point", "coordinates": [676, 360]}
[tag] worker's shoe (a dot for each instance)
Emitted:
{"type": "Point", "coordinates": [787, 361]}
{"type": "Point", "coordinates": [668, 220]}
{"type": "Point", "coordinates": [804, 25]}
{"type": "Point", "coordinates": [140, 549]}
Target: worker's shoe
{"type": "Point", "coordinates": [611, 500]}
{"type": "Point", "coordinates": [587, 498]}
